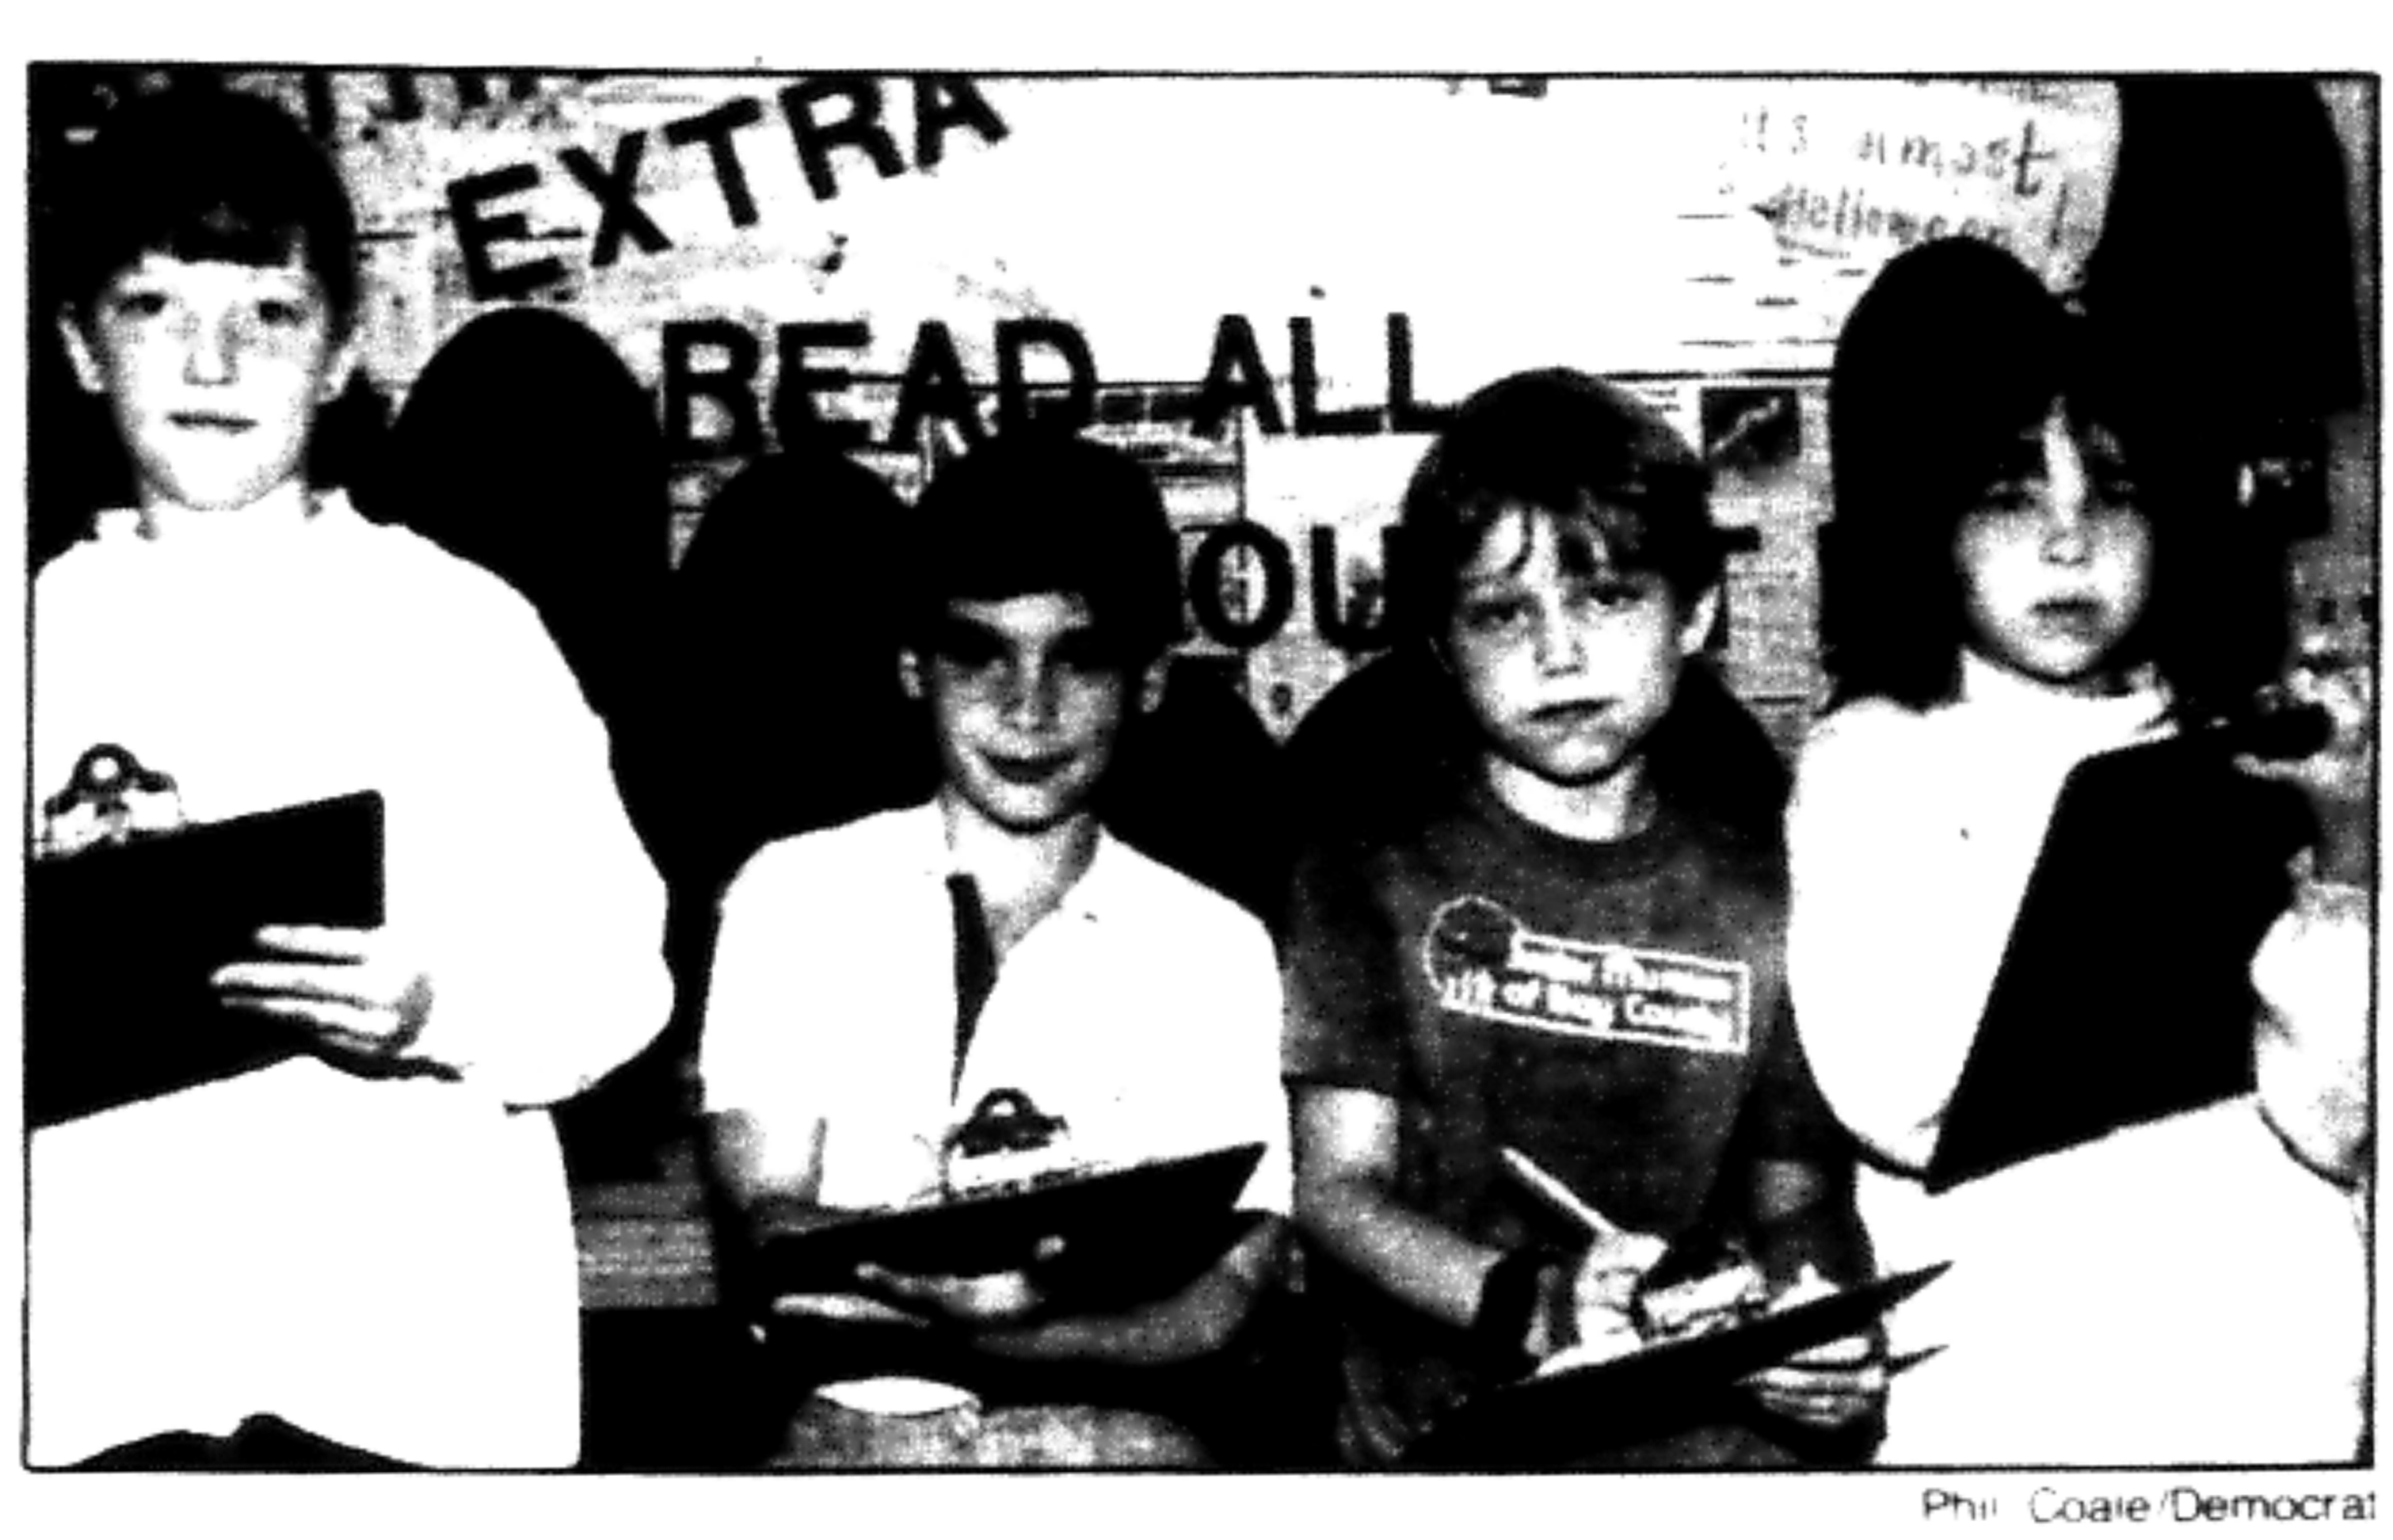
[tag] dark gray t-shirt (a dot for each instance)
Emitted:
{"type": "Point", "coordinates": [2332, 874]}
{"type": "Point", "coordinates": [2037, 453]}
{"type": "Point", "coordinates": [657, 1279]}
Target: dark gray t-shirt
{"type": "Point", "coordinates": [1616, 1012]}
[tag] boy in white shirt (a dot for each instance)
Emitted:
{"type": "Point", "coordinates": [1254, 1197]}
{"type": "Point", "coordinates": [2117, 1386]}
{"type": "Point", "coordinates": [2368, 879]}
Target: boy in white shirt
{"type": "Point", "coordinates": [874, 984]}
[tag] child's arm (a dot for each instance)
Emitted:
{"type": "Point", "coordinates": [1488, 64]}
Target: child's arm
{"type": "Point", "coordinates": [757, 1158]}
{"type": "Point", "coordinates": [1345, 1169]}
{"type": "Point", "coordinates": [1807, 1234]}
{"type": "Point", "coordinates": [576, 982]}
{"type": "Point", "coordinates": [757, 1056]}
{"type": "Point", "coordinates": [1803, 1216]}
{"type": "Point", "coordinates": [2310, 1044]}
{"type": "Point", "coordinates": [1003, 1311]}
{"type": "Point", "coordinates": [1344, 1053]}
{"type": "Point", "coordinates": [526, 953]}
{"type": "Point", "coordinates": [2312, 972]}
{"type": "Point", "coordinates": [765, 1126]}
{"type": "Point", "coordinates": [1808, 1238]}
{"type": "Point", "coordinates": [1897, 928]}
{"type": "Point", "coordinates": [526, 949]}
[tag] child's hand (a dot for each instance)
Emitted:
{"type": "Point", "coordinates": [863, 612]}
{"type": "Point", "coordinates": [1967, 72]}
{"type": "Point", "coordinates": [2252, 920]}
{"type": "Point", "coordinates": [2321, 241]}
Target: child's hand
{"type": "Point", "coordinates": [358, 990]}
{"type": "Point", "coordinates": [982, 1299]}
{"type": "Point", "coordinates": [1830, 1385]}
{"type": "Point", "coordinates": [2339, 778]}
{"type": "Point", "coordinates": [1606, 1287]}
{"type": "Point", "coordinates": [844, 1308]}
{"type": "Point", "coordinates": [1827, 1386]}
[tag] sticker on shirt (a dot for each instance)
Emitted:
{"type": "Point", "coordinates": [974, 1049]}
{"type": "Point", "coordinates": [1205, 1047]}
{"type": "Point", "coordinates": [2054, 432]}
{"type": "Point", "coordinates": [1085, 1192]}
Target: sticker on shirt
{"type": "Point", "coordinates": [1483, 963]}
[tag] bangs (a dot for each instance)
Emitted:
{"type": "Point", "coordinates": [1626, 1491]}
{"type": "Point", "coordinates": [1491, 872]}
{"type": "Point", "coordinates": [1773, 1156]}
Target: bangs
{"type": "Point", "coordinates": [988, 564]}
{"type": "Point", "coordinates": [1608, 541]}
{"type": "Point", "coordinates": [1989, 415]}
{"type": "Point", "coordinates": [2116, 413]}
{"type": "Point", "coordinates": [1604, 465]}
{"type": "Point", "coordinates": [221, 232]}
{"type": "Point", "coordinates": [1595, 540]}
{"type": "Point", "coordinates": [1627, 476]}
{"type": "Point", "coordinates": [1034, 515]}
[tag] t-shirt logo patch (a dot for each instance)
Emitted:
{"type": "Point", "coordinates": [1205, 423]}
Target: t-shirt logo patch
{"type": "Point", "coordinates": [1483, 963]}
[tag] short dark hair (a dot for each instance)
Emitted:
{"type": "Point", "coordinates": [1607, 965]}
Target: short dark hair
{"type": "Point", "coordinates": [1954, 351]}
{"type": "Point", "coordinates": [1035, 511]}
{"type": "Point", "coordinates": [1566, 444]}
{"type": "Point", "coordinates": [206, 174]}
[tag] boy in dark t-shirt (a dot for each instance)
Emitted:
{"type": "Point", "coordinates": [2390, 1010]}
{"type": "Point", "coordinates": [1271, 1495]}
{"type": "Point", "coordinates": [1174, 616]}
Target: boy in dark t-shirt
{"type": "Point", "coordinates": [1560, 959]}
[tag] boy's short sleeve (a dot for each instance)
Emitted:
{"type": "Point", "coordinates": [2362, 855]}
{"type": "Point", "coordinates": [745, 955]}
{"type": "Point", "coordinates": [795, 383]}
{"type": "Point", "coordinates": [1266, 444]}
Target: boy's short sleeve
{"type": "Point", "coordinates": [1344, 975]}
{"type": "Point", "coordinates": [749, 1057]}
{"type": "Point", "coordinates": [1226, 1090]}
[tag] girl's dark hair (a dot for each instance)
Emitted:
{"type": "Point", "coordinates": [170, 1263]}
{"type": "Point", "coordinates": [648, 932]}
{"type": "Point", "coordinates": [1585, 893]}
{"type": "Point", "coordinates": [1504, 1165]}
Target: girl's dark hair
{"type": "Point", "coordinates": [1564, 443]}
{"type": "Point", "coordinates": [203, 173]}
{"type": "Point", "coordinates": [1955, 352]}
{"type": "Point", "coordinates": [1035, 511]}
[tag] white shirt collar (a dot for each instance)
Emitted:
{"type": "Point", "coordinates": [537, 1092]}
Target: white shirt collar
{"type": "Point", "coordinates": [2033, 713]}
{"type": "Point", "coordinates": [1091, 898]}
{"type": "Point", "coordinates": [235, 546]}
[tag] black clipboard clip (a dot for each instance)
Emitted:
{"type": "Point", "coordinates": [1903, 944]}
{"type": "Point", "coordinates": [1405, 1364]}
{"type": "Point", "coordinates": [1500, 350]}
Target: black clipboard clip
{"type": "Point", "coordinates": [110, 799]}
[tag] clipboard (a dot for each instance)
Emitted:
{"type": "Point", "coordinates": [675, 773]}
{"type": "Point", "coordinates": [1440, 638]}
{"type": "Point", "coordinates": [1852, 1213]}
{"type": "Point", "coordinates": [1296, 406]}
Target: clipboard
{"type": "Point", "coordinates": [120, 940]}
{"type": "Point", "coordinates": [1538, 1422]}
{"type": "Point", "coordinates": [2124, 993]}
{"type": "Point", "coordinates": [1123, 1228]}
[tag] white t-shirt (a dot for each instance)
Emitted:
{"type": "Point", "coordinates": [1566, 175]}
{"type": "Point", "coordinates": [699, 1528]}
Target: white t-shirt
{"type": "Point", "coordinates": [390, 1263]}
{"type": "Point", "coordinates": [1144, 1011]}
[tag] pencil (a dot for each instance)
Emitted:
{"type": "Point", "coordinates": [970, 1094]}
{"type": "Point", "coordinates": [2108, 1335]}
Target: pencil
{"type": "Point", "coordinates": [1529, 1174]}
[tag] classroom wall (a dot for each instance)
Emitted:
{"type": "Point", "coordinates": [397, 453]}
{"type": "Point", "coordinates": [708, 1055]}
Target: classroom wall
{"type": "Point", "coordinates": [1268, 287]}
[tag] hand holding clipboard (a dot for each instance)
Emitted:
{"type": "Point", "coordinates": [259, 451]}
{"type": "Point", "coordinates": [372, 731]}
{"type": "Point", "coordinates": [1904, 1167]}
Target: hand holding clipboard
{"type": "Point", "coordinates": [1123, 1228]}
{"type": "Point", "coordinates": [1812, 1357]}
{"type": "Point", "coordinates": [361, 991]}
{"type": "Point", "coordinates": [117, 1013]}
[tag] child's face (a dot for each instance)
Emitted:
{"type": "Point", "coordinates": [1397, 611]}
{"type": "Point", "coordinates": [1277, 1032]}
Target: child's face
{"type": "Point", "coordinates": [214, 372]}
{"type": "Point", "coordinates": [1566, 662]}
{"type": "Point", "coordinates": [1026, 704]}
{"type": "Point", "coordinates": [2056, 559]}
